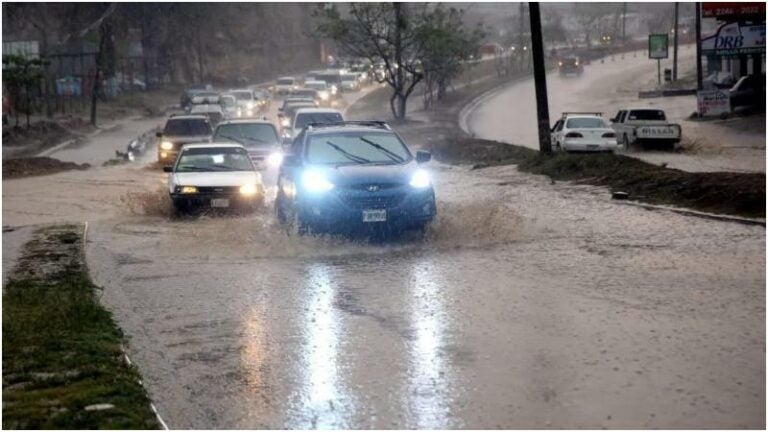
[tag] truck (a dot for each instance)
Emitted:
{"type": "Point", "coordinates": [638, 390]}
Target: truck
{"type": "Point", "coordinates": [646, 127]}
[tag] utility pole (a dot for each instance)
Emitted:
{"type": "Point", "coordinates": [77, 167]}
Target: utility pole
{"type": "Point", "coordinates": [699, 77]}
{"type": "Point", "coordinates": [520, 40]}
{"type": "Point", "coordinates": [624, 24]}
{"type": "Point", "coordinates": [540, 78]}
{"type": "Point", "coordinates": [674, 50]}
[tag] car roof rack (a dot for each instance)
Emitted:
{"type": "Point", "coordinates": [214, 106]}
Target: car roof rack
{"type": "Point", "coordinates": [375, 123]}
{"type": "Point", "coordinates": [567, 113]}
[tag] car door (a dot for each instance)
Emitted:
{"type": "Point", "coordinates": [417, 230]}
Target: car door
{"type": "Point", "coordinates": [557, 131]}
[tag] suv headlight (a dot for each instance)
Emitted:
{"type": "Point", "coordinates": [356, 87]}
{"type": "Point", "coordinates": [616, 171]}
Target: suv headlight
{"type": "Point", "coordinates": [187, 189]}
{"type": "Point", "coordinates": [420, 180]}
{"type": "Point", "coordinates": [315, 181]}
{"type": "Point", "coordinates": [166, 145]}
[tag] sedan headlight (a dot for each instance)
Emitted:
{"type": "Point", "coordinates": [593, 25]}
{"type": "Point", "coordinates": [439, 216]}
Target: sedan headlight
{"type": "Point", "coordinates": [275, 159]}
{"type": "Point", "coordinates": [420, 180]}
{"type": "Point", "coordinates": [187, 189]}
{"type": "Point", "coordinates": [315, 181]}
{"type": "Point", "coordinates": [249, 105]}
{"type": "Point", "coordinates": [285, 122]}
{"type": "Point", "coordinates": [324, 95]}
{"type": "Point", "coordinates": [249, 189]}
{"type": "Point", "coordinates": [166, 145]}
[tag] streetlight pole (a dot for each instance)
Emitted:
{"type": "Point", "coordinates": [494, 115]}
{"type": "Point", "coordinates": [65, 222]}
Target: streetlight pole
{"type": "Point", "coordinates": [674, 50]}
{"type": "Point", "coordinates": [540, 78]}
{"type": "Point", "coordinates": [699, 77]}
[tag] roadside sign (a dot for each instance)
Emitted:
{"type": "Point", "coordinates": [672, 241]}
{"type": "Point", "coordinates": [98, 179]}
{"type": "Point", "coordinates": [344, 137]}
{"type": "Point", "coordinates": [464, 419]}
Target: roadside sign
{"type": "Point", "coordinates": [734, 38]}
{"type": "Point", "coordinates": [658, 46]}
{"type": "Point", "coordinates": [713, 103]}
{"type": "Point", "coordinates": [731, 9]}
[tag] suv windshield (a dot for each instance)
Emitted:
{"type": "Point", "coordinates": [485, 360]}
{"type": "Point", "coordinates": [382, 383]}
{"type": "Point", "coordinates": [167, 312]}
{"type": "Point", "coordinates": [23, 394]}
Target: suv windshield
{"type": "Point", "coordinates": [214, 159]}
{"type": "Point", "coordinates": [356, 147]}
{"type": "Point", "coordinates": [647, 115]}
{"type": "Point", "coordinates": [585, 122]}
{"type": "Point", "coordinates": [308, 93]}
{"type": "Point", "coordinates": [303, 119]}
{"type": "Point", "coordinates": [247, 134]}
{"type": "Point", "coordinates": [187, 127]}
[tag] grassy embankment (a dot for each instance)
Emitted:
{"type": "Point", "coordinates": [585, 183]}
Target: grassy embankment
{"type": "Point", "coordinates": [63, 366]}
{"type": "Point", "coordinates": [741, 194]}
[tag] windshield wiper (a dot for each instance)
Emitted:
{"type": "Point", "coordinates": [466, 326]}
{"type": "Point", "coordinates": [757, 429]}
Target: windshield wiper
{"type": "Point", "coordinates": [191, 168]}
{"type": "Point", "coordinates": [392, 155]}
{"type": "Point", "coordinates": [231, 138]}
{"type": "Point", "coordinates": [348, 155]}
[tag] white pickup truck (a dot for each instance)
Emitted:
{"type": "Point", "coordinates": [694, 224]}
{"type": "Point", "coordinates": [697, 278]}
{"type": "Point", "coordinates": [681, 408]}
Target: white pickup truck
{"type": "Point", "coordinates": [645, 126]}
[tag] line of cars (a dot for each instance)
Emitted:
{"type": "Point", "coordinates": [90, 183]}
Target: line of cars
{"type": "Point", "coordinates": [335, 176]}
{"type": "Point", "coordinates": [589, 132]}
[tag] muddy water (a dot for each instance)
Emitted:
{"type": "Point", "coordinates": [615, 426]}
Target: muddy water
{"type": "Point", "coordinates": [528, 305]}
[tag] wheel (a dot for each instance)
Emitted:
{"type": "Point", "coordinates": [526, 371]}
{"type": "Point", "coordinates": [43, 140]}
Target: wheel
{"type": "Point", "coordinates": [282, 217]}
{"type": "Point", "coordinates": [625, 141]}
{"type": "Point", "coordinates": [559, 148]}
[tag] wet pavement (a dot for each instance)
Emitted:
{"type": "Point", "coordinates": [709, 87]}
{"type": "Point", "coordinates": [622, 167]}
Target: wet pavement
{"type": "Point", "coordinates": [736, 144]}
{"type": "Point", "coordinates": [527, 305]}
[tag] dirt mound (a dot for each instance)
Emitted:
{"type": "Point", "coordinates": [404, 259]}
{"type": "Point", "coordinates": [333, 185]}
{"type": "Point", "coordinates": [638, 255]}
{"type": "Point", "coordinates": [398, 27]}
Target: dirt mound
{"type": "Point", "coordinates": [36, 166]}
{"type": "Point", "coordinates": [37, 132]}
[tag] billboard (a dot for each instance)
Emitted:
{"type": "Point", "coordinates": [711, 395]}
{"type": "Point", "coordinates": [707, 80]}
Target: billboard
{"type": "Point", "coordinates": [658, 46]}
{"type": "Point", "coordinates": [731, 9]}
{"type": "Point", "coordinates": [734, 38]}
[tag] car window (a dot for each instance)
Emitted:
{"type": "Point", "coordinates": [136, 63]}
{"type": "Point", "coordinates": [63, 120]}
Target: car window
{"type": "Point", "coordinates": [647, 115]}
{"type": "Point", "coordinates": [303, 119]}
{"type": "Point", "coordinates": [187, 127]}
{"type": "Point", "coordinates": [214, 159]}
{"type": "Point", "coordinates": [247, 134]}
{"type": "Point", "coordinates": [356, 147]}
{"type": "Point", "coordinates": [557, 125]}
{"type": "Point", "coordinates": [285, 81]}
{"type": "Point", "coordinates": [585, 123]}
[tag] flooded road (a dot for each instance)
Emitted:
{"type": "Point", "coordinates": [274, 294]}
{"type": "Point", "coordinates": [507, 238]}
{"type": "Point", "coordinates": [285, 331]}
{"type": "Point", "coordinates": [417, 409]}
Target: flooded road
{"type": "Point", "coordinates": [736, 144]}
{"type": "Point", "coordinates": [528, 305]}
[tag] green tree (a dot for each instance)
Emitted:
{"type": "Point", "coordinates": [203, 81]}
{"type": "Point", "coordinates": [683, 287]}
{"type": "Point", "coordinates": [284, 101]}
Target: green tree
{"type": "Point", "coordinates": [20, 76]}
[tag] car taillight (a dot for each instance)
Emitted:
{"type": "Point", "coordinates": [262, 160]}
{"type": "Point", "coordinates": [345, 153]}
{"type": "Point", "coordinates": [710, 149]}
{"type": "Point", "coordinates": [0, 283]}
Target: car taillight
{"type": "Point", "coordinates": [574, 135]}
{"type": "Point", "coordinates": [609, 135]}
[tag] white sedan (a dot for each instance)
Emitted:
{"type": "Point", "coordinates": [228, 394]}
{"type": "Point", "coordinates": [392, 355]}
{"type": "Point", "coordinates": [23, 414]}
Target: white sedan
{"type": "Point", "coordinates": [583, 133]}
{"type": "Point", "coordinates": [214, 176]}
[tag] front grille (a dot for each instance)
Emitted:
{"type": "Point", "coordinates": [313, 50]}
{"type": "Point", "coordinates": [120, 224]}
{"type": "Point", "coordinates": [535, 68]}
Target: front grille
{"type": "Point", "coordinates": [377, 186]}
{"type": "Point", "coordinates": [218, 189]}
{"type": "Point", "coordinates": [372, 201]}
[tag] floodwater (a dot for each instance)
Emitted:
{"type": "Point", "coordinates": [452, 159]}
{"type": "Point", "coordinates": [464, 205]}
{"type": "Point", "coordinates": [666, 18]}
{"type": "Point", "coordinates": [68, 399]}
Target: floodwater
{"type": "Point", "coordinates": [527, 305]}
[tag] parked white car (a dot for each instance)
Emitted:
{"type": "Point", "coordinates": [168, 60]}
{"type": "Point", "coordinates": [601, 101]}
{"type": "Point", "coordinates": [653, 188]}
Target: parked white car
{"type": "Point", "coordinates": [214, 176]}
{"type": "Point", "coordinates": [646, 126]}
{"type": "Point", "coordinates": [583, 132]}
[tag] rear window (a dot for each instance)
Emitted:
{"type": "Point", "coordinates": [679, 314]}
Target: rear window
{"type": "Point", "coordinates": [647, 115]}
{"type": "Point", "coordinates": [187, 127]}
{"type": "Point", "coordinates": [585, 123]}
{"type": "Point", "coordinates": [285, 81]}
{"type": "Point", "coordinates": [304, 119]}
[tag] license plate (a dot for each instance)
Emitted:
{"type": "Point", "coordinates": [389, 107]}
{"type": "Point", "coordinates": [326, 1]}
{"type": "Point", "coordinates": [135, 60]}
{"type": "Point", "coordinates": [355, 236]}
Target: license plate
{"type": "Point", "coordinates": [593, 146]}
{"type": "Point", "coordinates": [374, 215]}
{"type": "Point", "coordinates": [219, 202]}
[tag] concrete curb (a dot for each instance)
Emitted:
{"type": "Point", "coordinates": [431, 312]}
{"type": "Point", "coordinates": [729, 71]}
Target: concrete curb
{"type": "Point", "coordinates": [466, 111]}
{"type": "Point", "coordinates": [695, 213]}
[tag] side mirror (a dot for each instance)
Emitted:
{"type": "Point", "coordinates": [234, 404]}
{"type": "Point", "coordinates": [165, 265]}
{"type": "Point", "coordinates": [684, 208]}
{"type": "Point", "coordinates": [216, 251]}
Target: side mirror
{"type": "Point", "coordinates": [167, 169]}
{"type": "Point", "coordinates": [423, 156]}
{"type": "Point", "coordinates": [159, 134]}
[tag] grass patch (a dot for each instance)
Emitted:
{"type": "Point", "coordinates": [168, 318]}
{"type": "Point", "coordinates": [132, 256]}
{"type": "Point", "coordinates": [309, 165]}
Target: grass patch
{"type": "Point", "coordinates": [741, 194]}
{"type": "Point", "coordinates": [61, 348]}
